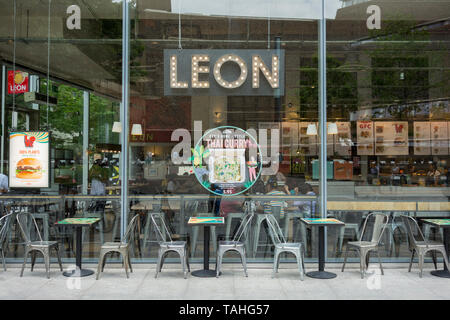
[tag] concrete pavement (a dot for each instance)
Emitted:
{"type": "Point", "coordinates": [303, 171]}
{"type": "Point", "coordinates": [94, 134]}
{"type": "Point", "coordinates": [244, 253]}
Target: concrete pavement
{"type": "Point", "coordinates": [397, 283]}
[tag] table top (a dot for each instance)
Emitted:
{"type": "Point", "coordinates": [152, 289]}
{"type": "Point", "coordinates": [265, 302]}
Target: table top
{"type": "Point", "coordinates": [322, 222]}
{"type": "Point", "coordinates": [148, 205]}
{"type": "Point", "coordinates": [206, 220]}
{"type": "Point", "coordinates": [444, 223]}
{"type": "Point", "coordinates": [78, 221]}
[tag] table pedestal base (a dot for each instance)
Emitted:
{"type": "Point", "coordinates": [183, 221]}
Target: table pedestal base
{"type": "Point", "coordinates": [78, 273]}
{"type": "Point", "coordinates": [204, 273]}
{"type": "Point", "coordinates": [441, 273]}
{"type": "Point", "coordinates": [321, 275]}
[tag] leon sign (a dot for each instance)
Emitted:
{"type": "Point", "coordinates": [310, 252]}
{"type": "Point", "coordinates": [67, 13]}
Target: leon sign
{"type": "Point", "coordinates": [224, 72]}
{"type": "Point", "coordinates": [17, 82]}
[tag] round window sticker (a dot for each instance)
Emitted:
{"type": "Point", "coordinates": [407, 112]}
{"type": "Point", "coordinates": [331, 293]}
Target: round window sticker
{"type": "Point", "coordinates": [227, 161]}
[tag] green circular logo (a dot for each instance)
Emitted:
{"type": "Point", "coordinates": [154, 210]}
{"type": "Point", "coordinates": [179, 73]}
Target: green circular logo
{"type": "Point", "coordinates": [227, 161]}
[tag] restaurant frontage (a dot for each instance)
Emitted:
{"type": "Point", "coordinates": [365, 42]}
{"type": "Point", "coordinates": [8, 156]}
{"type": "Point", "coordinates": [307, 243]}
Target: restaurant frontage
{"type": "Point", "coordinates": [190, 109]}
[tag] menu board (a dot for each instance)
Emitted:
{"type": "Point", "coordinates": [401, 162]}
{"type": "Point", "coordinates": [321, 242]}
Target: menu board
{"type": "Point", "coordinates": [364, 137]}
{"type": "Point", "coordinates": [439, 138]}
{"type": "Point", "coordinates": [343, 139]}
{"type": "Point", "coordinates": [29, 159]}
{"type": "Point", "coordinates": [391, 138]}
{"type": "Point", "coordinates": [307, 144]}
{"type": "Point", "coordinates": [422, 136]}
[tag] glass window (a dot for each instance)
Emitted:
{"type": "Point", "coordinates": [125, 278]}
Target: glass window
{"type": "Point", "coordinates": [387, 97]}
{"type": "Point", "coordinates": [63, 63]}
{"type": "Point", "coordinates": [175, 165]}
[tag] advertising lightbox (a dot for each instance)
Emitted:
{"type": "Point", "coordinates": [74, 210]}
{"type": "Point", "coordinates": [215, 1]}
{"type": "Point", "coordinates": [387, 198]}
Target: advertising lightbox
{"type": "Point", "coordinates": [29, 159]}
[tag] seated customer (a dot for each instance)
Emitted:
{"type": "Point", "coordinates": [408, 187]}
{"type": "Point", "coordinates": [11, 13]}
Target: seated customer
{"type": "Point", "coordinates": [306, 206]}
{"type": "Point", "coordinates": [275, 188]}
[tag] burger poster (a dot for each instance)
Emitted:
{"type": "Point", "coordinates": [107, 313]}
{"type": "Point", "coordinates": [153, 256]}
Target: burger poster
{"type": "Point", "coordinates": [29, 159]}
{"type": "Point", "coordinates": [439, 138]}
{"type": "Point", "coordinates": [391, 138]}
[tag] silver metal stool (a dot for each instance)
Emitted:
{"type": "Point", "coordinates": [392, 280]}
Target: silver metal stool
{"type": "Point", "coordinates": [364, 247]}
{"type": "Point", "coordinates": [24, 219]}
{"type": "Point", "coordinates": [281, 245]}
{"type": "Point", "coordinates": [235, 245]}
{"type": "Point", "coordinates": [165, 247]}
{"type": "Point", "coordinates": [119, 247]}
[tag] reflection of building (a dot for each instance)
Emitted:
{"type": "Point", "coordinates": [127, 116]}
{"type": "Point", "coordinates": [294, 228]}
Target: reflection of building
{"type": "Point", "coordinates": [428, 11]}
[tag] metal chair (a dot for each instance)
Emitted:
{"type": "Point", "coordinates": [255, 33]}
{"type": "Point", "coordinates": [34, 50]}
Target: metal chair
{"type": "Point", "coordinates": [5, 225]}
{"type": "Point", "coordinates": [281, 245]}
{"type": "Point", "coordinates": [421, 246]}
{"type": "Point", "coordinates": [119, 247]}
{"type": "Point", "coordinates": [25, 221]}
{"type": "Point", "coordinates": [365, 247]}
{"type": "Point", "coordinates": [95, 209]}
{"type": "Point", "coordinates": [352, 226]}
{"type": "Point", "coordinates": [156, 208]}
{"type": "Point", "coordinates": [165, 247]}
{"type": "Point", "coordinates": [236, 244]}
{"type": "Point", "coordinates": [260, 217]}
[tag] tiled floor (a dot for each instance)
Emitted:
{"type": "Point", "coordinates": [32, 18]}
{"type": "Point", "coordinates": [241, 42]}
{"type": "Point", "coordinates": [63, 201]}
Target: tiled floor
{"type": "Point", "coordinates": [397, 283]}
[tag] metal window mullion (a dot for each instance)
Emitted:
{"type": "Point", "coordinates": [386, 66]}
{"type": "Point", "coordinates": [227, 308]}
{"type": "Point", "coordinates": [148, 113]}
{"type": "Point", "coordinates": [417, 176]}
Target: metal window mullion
{"type": "Point", "coordinates": [86, 107]}
{"type": "Point", "coordinates": [4, 81]}
{"type": "Point", "coordinates": [124, 116]}
{"type": "Point", "coordinates": [323, 118]}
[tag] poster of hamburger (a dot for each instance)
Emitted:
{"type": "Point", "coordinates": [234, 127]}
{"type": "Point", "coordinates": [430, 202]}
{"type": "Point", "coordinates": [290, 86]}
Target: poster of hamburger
{"type": "Point", "coordinates": [391, 138]}
{"type": "Point", "coordinates": [29, 159]}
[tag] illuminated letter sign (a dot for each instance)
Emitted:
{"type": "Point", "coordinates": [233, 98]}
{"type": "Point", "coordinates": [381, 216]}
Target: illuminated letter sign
{"type": "Point", "coordinates": [223, 72]}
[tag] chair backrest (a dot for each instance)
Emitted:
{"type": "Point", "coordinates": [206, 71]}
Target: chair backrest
{"type": "Point", "coordinates": [5, 225]}
{"type": "Point", "coordinates": [26, 222]}
{"type": "Point", "coordinates": [413, 229]}
{"type": "Point", "coordinates": [191, 207]}
{"type": "Point", "coordinates": [130, 228]}
{"type": "Point", "coordinates": [241, 233]}
{"type": "Point", "coordinates": [381, 221]}
{"type": "Point", "coordinates": [249, 206]}
{"type": "Point", "coordinates": [274, 230]}
{"type": "Point", "coordinates": [162, 233]}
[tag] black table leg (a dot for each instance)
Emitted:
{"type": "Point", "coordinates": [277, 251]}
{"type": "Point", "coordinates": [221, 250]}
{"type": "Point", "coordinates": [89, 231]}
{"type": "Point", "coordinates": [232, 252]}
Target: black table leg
{"type": "Point", "coordinates": [78, 272]}
{"type": "Point", "coordinates": [321, 274]}
{"type": "Point", "coordinates": [444, 273]}
{"type": "Point", "coordinates": [205, 273]}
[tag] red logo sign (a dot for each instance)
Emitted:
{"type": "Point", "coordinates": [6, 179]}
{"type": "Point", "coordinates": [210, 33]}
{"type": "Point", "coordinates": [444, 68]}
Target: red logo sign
{"type": "Point", "coordinates": [17, 82]}
{"type": "Point", "coordinates": [29, 141]}
{"type": "Point", "coordinates": [398, 128]}
{"type": "Point", "coordinates": [365, 125]}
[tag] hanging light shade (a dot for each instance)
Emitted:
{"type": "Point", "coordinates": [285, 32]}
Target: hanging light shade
{"type": "Point", "coordinates": [332, 128]}
{"type": "Point", "coordinates": [312, 130]}
{"type": "Point", "coordinates": [136, 130]}
{"type": "Point", "coordinates": [117, 127]}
